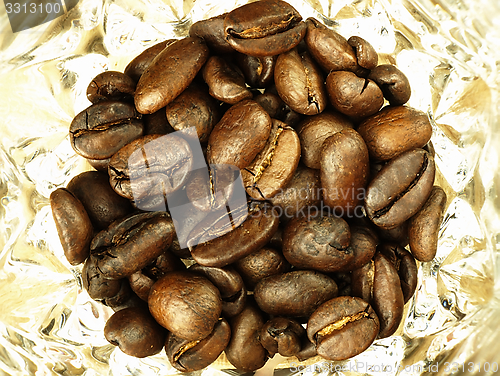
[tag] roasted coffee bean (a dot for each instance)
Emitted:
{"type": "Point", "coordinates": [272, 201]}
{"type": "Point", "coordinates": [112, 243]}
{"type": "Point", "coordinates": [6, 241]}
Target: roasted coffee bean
{"type": "Point", "coordinates": [151, 167]}
{"type": "Point", "coordinates": [211, 31]}
{"type": "Point", "coordinates": [319, 243]}
{"type": "Point", "coordinates": [342, 328]}
{"type": "Point", "coordinates": [406, 266]}
{"type": "Point", "coordinates": [73, 225]}
{"type": "Point", "coordinates": [125, 298]}
{"type": "Point", "coordinates": [303, 192]}
{"type": "Point", "coordinates": [362, 245]}
{"type": "Point", "coordinates": [102, 129]}
{"type": "Point", "coordinates": [244, 350]}
{"type": "Point", "coordinates": [135, 332]}
{"type": "Point", "coordinates": [314, 130]}
{"type": "Point", "coordinates": [378, 283]}
{"type": "Point", "coordinates": [264, 28]}
{"type": "Point", "coordinates": [307, 350]}
{"type": "Point", "coordinates": [299, 82]}
{"type": "Point", "coordinates": [258, 71]}
{"type": "Point", "coordinates": [185, 303]}
{"type": "Point", "coordinates": [344, 163]}
{"type": "Point", "coordinates": [157, 123]}
{"type": "Point", "coordinates": [366, 55]}
{"type": "Point", "coordinates": [297, 293]}
{"type": "Point", "coordinates": [282, 335]}
{"type": "Point", "coordinates": [129, 245]}
{"type": "Point", "coordinates": [141, 62]}
{"type": "Point", "coordinates": [393, 82]}
{"type": "Point", "coordinates": [225, 81]}
{"type": "Point", "coordinates": [110, 85]}
{"type": "Point", "coordinates": [352, 95]}
{"type": "Point", "coordinates": [189, 356]}
{"type": "Point", "coordinates": [102, 203]}
{"type": "Point", "coordinates": [98, 287]}
{"type": "Point", "coordinates": [171, 71]}
{"type": "Point", "coordinates": [398, 235]}
{"type": "Point", "coordinates": [277, 109]}
{"type": "Point", "coordinates": [423, 227]}
{"type": "Point", "coordinates": [273, 168]}
{"type": "Point", "coordinates": [240, 135]}
{"type": "Point", "coordinates": [194, 108]}
{"type": "Point", "coordinates": [141, 284]}
{"type": "Point", "coordinates": [261, 264]}
{"type": "Point", "coordinates": [230, 284]}
{"type": "Point", "coordinates": [328, 48]}
{"type": "Point", "coordinates": [395, 130]}
{"type": "Point", "coordinates": [400, 189]}
{"type": "Point", "coordinates": [250, 236]}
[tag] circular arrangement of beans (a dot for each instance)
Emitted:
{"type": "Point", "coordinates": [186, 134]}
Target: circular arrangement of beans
{"type": "Point", "coordinates": [339, 197]}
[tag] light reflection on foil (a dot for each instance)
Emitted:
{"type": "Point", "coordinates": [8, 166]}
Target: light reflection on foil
{"type": "Point", "coordinates": [448, 49]}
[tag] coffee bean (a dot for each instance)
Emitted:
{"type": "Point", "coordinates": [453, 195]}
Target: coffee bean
{"type": "Point", "coordinates": [73, 225]}
{"type": "Point", "coordinates": [282, 335]}
{"type": "Point", "coordinates": [395, 130]}
{"type": "Point", "coordinates": [264, 28]}
{"type": "Point", "coordinates": [297, 293]}
{"type": "Point", "coordinates": [344, 163]}
{"type": "Point", "coordinates": [240, 135]}
{"type": "Point", "coordinates": [211, 31]}
{"type": "Point", "coordinates": [258, 71]}
{"type": "Point", "coordinates": [352, 95]}
{"type": "Point", "coordinates": [276, 108]}
{"type": "Point", "coordinates": [342, 328]}
{"type": "Point", "coordinates": [189, 356]}
{"type": "Point", "coordinates": [299, 82]}
{"type": "Point", "coordinates": [273, 168]}
{"type": "Point", "coordinates": [314, 130]}
{"type": "Point", "coordinates": [307, 350]}
{"type": "Point", "coordinates": [97, 286]}
{"type": "Point", "coordinates": [393, 82]}
{"type": "Point", "coordinates": [400, 189]}
{"type": "Point", "coordinates": [244, 350]}
{"type": "Point", "coordinates": [362, 245]}
{"type": "Point", "coordinates": [141, 284]}
{"type": "Point", "coordinates": [319, 243]}
{"type": "Point", "coordinates": [141, 62]}
{"type": "Point", "coordinates": [110, 85]}
{"type": "Point", "coordinates": [366, 55]}
{"type": "Point", "coordinates": [102, 129]}
{"type": "Point", "coordinates": [225, 81]}
{"type": "Point", "coordinates": [185, 303]}
{"type": "Point", "coordinates": [135, 332]}
{"type": "Point", "coordinates": [171, 71]}
{"type": "Point", "coordinates": [423, 227]}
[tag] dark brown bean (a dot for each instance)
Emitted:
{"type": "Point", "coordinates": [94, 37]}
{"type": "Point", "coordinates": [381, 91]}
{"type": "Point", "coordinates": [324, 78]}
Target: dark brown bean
{"type": "Point", "coordinates": [258, 71]}
{"type": "Point", "coordinates": [299, 82]}
{"type": "Point", "coordinates": [423, 227]}
{"type": "Point", "coordinates": [151, 167]}
{"type": "Point", "coordinates": [273, 168]}
{"type": "Point", "coordinates": [276, 108]}
{"type": "Point", "coordinates": [363, 245]}
{"type": "Point", "coordinates": [141, 284]}
{"type": "Point", "coordinates": [264, 28]}
{"type": "Point", "coordinates": [171, 71]}
{"type": "Point", "coordinates": [344, 162]}
{"type": "Point", "coordinates": [225, 81]}
{"type": "Point", "coordinates": [240, 135]}
{"type": "Point", "coordinates": [314, 130]}
{"type": "Point", "coordinates": [125, 298]}
{"type": "Point", "coordinates": [73, 225]}
{"type": "Point", "coordinates": [297, 293]}
{"type": "Point", "coordinates": [211, 31]}
{"type": "Point", "coordinates": [352, 95]}
{"type": "Point", "coordinates": [102, 129]}
{"type": "Point", "coordinates": [282, 335]}
{"type": "Point", "coordinates": [366, 55]}
{"type": "Point", "coordinates": [393, 82]}
{"type": "Point", "coordinates": [317, 243]}
{"type": "Point", "coordinates": [187, 304]}
{"type": "Point", "coordinates": [328, 48]}
{"type": "Point", "coordinates": [194, 108]}
{"type": "Point", "coordinates": [102, 203]}
{"type": "Point", "coordinates": [261, 264]}
{"type": "Point", "coordinates": [307, 350]}
{"type": "Point", "coordinates": [395, 130]}
{"type": "Point", "coordinates": [342, 328]}
{"type": "Point", "coordinates": [129, 245]}
{"type": "Point", "coordinates": [400, 189]}
{"type": "Point", "coordinates": [244, 350]}
{"type": "Point", "coordinates": [189, 356]}
{"type": "Point", "coordinates": [110, 85]}
{"type": "Point", "coordinates": [98, 287]}
{"type": "Point", "coordinates": [135, 332]}
{"type": "Point", "coordinates": [141, 62]}
{"type": "Point", "coordinates": [252, 235]}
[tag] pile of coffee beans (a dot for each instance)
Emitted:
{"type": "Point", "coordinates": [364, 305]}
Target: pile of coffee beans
{"type": "Point", "coordinates": [317, 255]}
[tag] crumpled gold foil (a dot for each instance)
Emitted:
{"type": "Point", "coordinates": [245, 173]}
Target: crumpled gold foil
{"type": "Point", "coordinates": [450, 51]}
